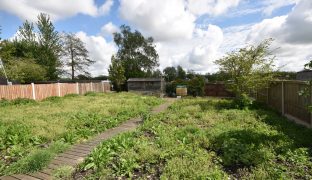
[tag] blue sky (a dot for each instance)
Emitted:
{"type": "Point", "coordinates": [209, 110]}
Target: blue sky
{"type": "Point", "coordinates": [191, 33]}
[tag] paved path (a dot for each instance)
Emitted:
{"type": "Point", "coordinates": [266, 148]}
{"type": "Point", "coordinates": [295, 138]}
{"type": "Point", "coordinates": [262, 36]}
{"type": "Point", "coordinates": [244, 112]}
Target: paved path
{"type": "Point", "coordinates": [77, 153]}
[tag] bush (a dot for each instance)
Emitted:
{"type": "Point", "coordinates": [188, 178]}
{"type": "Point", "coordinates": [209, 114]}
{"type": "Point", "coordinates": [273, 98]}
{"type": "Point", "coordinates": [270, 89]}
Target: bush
{"type": "Point", "coordinates": [243, 101]}
{"type": "Point", "coordinates": [63, 172]}
{"type": "Point", "coordinates": [18, 101]}
{"type": "Point", "coordinates": [4, 102]}
{"type": "Point", "coordinates": [195, 86]}
{"type": "Point", "coordinates": [71, 95]}
{"type": "Point", "coordinates": [53, 99]}
{"type": "Point", "coordinates": [90, 93]}
{"type": "Point", "coordinates": [37, 159]}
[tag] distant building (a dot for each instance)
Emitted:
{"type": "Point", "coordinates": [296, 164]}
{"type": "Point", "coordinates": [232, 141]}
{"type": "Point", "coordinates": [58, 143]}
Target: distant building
{"type": "Point", "coordinates": [304, 75]}
{"type": "Point", "coordinates": [147, 85]}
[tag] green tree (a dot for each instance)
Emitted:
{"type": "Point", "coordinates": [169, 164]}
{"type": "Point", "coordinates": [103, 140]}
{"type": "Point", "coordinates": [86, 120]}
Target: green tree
{"type": "Point", "coordinates": [196, 86]}
{"type": "Point", "coordinates": [26, 32]}
{"type": "Point", "coordinates": [190, 74]}
{"type": "Point", "coordinates": [170, 73]}
{"type": "Point", "coordinates": [218, 76]}
{"type": "Point", "coordinates": [116, 73]}
{"type": "Point", "coordinates": [153, 74]}
{"type": "Point", "coordinates": [249, 68]}
{"type": "Point", "coordinates": [76, 55]}
{"type": "Point", "coordinates": [25, 44]}
{"type": "Point", "coordinates": [136, 53]}
{"type": "Point", "coordinates": [156, 73]}
{"type": "Point", "coordinates": [49, 50]}
{"type": "Point", "coordinates": [19, 65]}
{"type": "Point", "coordinates": [25, 71]}
{"type": "Point", "coordinates": [181, 73]}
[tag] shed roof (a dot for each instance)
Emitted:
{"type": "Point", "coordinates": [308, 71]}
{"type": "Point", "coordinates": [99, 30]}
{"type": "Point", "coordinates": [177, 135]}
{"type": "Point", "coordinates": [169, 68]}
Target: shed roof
{"type": "Point", "coordinates": [144, 79]}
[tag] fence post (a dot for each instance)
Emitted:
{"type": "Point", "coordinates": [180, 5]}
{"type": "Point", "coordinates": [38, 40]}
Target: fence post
{"type": "Point", "coordinates": [77, 87]}
{"type": "Point", "coordinates": [33, 91]}
{"type": "Point", "coordinates": [91, 86]}
{"type": "Point", "coordinates": [283, 100]}
{"type": "Point", "coordinates": [59, 89]}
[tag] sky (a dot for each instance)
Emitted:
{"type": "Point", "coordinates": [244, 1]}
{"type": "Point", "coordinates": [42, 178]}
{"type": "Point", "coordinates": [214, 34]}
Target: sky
{"type": "Point", "coordinates": [190, 33]}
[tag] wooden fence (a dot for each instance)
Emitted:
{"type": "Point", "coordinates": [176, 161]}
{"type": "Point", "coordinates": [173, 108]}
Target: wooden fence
{"type": "Point", "coordinates": [42, 91]}
{"type": "Point", "coordinates": [284, 96]}
{"type": "Point", "coordinates": [217, 89]}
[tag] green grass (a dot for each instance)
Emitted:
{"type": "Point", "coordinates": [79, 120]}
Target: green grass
{"type": "Point", "coordinates": [30, 130]}
{"type": "Point", "coordinates": [204, 138]}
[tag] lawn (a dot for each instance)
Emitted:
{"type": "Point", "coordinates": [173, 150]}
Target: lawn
{"type": "Point", "coordinates": [32, 133]}
{"type": "Point", "coordinates": [200, 138]}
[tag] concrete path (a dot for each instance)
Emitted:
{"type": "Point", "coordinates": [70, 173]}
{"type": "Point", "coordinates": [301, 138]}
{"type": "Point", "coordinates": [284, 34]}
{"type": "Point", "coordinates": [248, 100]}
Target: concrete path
{"type": "Point", "coordinates": [77, 153]}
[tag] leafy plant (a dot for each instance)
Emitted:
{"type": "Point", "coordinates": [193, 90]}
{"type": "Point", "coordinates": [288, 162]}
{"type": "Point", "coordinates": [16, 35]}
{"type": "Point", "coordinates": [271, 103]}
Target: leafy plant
{"type": "Point", "coordinates": [54, 99]}
{"type": "Point", "coordinates": [90, 93]}
{"type": "Point", "coordinates": [63, 172]}
{"type": "Point", "coordinates": [243, 101]}
{"type": "Point", "coordinates": [71, 95]}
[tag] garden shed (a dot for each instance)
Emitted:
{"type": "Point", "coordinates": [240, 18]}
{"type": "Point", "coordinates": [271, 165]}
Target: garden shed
{"type": "Point", "coordinates": [147, 85]}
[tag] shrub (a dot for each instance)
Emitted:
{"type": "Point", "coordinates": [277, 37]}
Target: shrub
{"type": "Point", "coordinates": [4, 102]}
{"type": "Point", "coordinates": [243, 101]}
{"type": "Point", "coordinates": [18, 101]}
{"type": "Point", "coordinates": [90, 93]}
{"type": "Point", "coordinates": [23, 101]}
{"type": "Point", "coordinates": [195, 86]}
{"type": "Point", "coordinates": [37, 159]}
{"type": "Point", "coordinates": [63, 172]}
{"type": "Point", "coordinates": [53, 99]}
{"type": "Point", "coordinates": [71, 95]}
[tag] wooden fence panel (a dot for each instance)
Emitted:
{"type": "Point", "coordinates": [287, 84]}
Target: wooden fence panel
{"type": "Point", "coordinates": [43, 91]}
{"type": "Point", "coordinates": [106, 87]}
{"type": "Point", "coordinates": [68, 88]}
{"type": "Point", "coordinates": [275, 96]}
{"type": "Point", "coordinates": [219, 90]}
{"type": "Point", "coordinates": [296, 105]}
{"type": "Point", "coordinates": [15, 91]}
{"type": "Point", "coordinates": [84, 87]}
{"type": "Point", "coordinates": [262, 95]}
{"type": "Point", "coordinates": [97, 87]}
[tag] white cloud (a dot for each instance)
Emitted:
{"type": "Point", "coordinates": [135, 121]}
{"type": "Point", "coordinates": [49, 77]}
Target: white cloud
{"type": "Point", "coordinates": [57, 9]}
{"type": "Point", "coordinates": [105, 8]}
{"type": "Point", "coordinates": [173, 25]}
{"type": "Point", "coordinates": [268, 28]}
{"type": "Point", "coordinates": [292, 33]}
{"type": "Point", "coordinates": [99, 50]}
{"type": "Point", "coordinates": [212, 7]}
{"type": "Point", "coordinates": [197, 53]}
{"type": "Point", "coordinates": [108, 29]}
{"type": "Point", "coordinates": [271, 5]}
{"type": "Point", "coordinates": [162, 19]}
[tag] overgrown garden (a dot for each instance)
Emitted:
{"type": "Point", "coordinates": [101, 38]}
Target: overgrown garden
{"type": "Point", "coordinates": [200, 138]}
{"type": "Point", "coordinates": [32, 133]}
